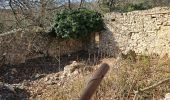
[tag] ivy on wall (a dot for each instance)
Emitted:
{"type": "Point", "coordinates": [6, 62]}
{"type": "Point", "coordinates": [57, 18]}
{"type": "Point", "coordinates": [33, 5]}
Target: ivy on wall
{"type": "Point", "coordinates": [77, 23]}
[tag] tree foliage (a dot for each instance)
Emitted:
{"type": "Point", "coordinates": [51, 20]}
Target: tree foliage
{"type": "Point", "coordinates": [25, 13]}
{"type": "Point", "coordinates": [125, 5]}
{"type": "Point", "coordinates": [76, 24]}
{"type": "Point", "coordinates": [131, 7]}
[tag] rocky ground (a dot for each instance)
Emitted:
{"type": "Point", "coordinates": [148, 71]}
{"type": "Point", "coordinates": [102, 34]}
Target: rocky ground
{"type": "Point", "coordinates": [42, 79]}
{"type": "Point", "coordinates": [35, 77]}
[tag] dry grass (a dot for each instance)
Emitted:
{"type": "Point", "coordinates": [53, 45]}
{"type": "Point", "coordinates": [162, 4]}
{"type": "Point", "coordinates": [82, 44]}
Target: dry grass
{"type": "Point", "coordinates": [121, 81]}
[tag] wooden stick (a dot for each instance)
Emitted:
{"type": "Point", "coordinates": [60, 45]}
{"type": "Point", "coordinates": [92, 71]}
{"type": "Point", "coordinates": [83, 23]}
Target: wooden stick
{"type": "Point", "coordinates": [94, 82]}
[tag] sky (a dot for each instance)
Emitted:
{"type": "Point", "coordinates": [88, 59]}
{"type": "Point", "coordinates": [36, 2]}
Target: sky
{"type": "Point", "coordinates": [4, 3]}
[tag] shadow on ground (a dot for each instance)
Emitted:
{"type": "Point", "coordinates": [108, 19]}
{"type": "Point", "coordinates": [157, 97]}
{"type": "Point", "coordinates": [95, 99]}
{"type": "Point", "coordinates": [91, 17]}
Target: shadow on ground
{"type": "Point", "coordinates": [37, 68]}
{"type": "Point", "coordinates": [18, 94]}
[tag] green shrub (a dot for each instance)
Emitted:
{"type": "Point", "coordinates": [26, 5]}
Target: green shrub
{"type": "Point", "coordinates": [76, 24]}
{"type": "Point", "coordinates": [131, 7]}
{"type": "Point", "coordinates": [141, 6]}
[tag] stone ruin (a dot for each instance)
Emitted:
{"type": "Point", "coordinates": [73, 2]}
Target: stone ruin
{"type": "Point", "coordinates": [19, 45]}
{"type": "Point", "coordinates": [145, 32]}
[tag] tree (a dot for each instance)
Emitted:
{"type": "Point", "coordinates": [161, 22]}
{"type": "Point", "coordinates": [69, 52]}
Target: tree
{"type": "Point", "coordinates": [38, 12]}
{"type": "Point", "coordinates": [70, 23]}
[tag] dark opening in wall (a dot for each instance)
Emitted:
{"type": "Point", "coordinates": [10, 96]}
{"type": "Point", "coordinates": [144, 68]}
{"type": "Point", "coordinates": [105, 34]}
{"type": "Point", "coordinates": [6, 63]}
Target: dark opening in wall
{"type": "Point", "coordinates": [113, 20]}
{"type": "Point", "coordinates": [153, 16]}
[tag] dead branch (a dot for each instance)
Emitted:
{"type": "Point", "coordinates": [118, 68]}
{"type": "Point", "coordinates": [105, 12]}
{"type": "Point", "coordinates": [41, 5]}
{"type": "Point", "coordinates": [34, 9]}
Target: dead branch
{"type": "Point", "coordinates": [69, 4]}
{"type": "Point", "coordinates": [15, 15]}
{"type": "Point", "coordinates": [81, 3]}
{"type": "Point", "coordinates": [150, 87]}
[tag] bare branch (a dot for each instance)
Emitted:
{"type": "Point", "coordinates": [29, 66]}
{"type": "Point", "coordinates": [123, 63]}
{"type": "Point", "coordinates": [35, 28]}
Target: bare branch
{"type": "Point", "coordinates": [150, 87]}
{"type": "Point", "coordinates": [69, 4]}
{"type": "Point", "coordinates": [81, 2]}
{"type": "Point", "coordinates": [155, 85]}
{"type": "Point", "coordinates": [10, 4]}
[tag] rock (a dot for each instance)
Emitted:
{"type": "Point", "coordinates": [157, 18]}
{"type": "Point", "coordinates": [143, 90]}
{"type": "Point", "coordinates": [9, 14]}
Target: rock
{"type": "Point", "coordinates": [38, 76]}
{"type": "Point", "coordinates": [167, 96]}
{"type": "Point", "coordinates": [46, 79]}
{"type": "Point", "coordinates": [51, 82]}
{"type": "Point", "coordinates": [69, 69]}
{"type": "Point", "coordinates": [57, 74]}
{"type": "Point", "coordinates": [7, 92]}
{"type": "Point", "coordinates": [9, 87]}
{"type": "Point", "coordinates": [20, 86]}
{"type": "Point", "coordinates": [76, 72]}
{"type": "Point", "coordinates": [63, 75]}
{"type": "Point", "coordinates": [4, 86]}
{"type": "Point", "coordinates": [56, 78]}
{"type": "Point", "coordinates": [167, 23]}
{"type": "Point", "coordinates": [13, 71]}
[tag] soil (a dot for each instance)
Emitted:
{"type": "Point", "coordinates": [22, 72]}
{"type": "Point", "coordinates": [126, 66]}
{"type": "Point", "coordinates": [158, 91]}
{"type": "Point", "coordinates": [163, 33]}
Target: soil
{"type": "Point", "coordinates": [26, 81]}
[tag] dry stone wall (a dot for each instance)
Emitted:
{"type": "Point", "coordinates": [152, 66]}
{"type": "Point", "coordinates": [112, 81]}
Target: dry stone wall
{"type": "Point", "coordinates": [145, 32]}
{"type": "Point", "coordinates": [17, 46]}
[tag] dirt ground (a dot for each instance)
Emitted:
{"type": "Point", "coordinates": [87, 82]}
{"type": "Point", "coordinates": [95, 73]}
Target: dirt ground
{"type": "Point", "coordinates": [28, 80]}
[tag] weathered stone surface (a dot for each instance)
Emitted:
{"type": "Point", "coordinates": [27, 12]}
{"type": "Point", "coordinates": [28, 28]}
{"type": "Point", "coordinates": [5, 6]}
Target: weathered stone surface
{"type": "Point", "coordinates": [167, 96]}
{"type": "Point", "coordinates": [73, 68]}
{"type": "Point", "coordinates": [145, 32]}
{"type": "Point", "coordinates": [17, 46]}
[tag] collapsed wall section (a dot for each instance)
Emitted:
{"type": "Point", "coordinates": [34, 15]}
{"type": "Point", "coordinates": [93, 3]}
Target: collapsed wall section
{"type": "Point", "coordinates": [20, 45]}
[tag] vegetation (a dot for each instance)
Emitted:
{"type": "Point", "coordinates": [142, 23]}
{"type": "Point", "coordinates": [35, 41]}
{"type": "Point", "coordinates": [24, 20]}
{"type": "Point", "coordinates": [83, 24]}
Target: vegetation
{"type": "Point", "coordinates": [131, 7]}
{"type": "Point", "coordinates": [75, 20]}
{"type": "Point", "coordinates": [123, 79]}
{"type": "Point", "coordinates": [125, 6]}
{"type": "Point", "coordinates": [25, 13]}
{"type": "Point", "coordinates": [77, 24]}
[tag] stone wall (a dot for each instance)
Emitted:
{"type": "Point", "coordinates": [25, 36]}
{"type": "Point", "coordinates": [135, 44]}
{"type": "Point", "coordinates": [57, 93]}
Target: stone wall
{"type": "Point", "coordinates": [17, 46]}
{"type": "Point", "coordinates": [145, 32]}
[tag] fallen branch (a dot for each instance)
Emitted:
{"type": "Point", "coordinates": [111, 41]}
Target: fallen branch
{"type": "Point", "coordinates": [150, 87]}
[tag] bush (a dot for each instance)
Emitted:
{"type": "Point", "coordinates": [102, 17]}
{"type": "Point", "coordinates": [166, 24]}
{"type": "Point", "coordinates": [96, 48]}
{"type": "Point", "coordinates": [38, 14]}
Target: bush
{"type": "Point", "coordinates": [131, 7]}
{"type": "Point", "coordinates": [76, 24]}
